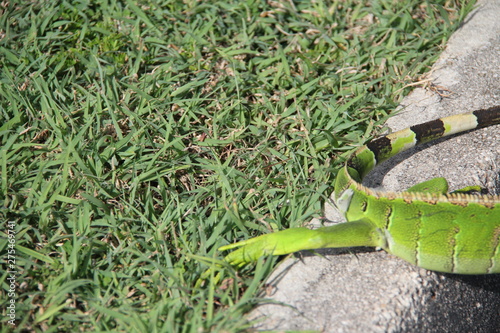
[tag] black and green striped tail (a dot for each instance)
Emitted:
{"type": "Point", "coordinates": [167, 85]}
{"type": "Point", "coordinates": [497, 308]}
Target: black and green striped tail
{"type": "Point", "coordinates": [379, 150]}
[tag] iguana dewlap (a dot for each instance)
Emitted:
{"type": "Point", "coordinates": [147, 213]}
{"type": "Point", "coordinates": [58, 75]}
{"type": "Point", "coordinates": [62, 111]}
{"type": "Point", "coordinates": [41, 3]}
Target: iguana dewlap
{"type": "Point", "coordinates": [426, 226]}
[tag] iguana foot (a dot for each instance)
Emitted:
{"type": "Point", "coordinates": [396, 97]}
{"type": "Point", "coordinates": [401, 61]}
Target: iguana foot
{"type": "Point", "coordinates": [277, 243]}
{"type": "Point", "coordinates": [357, 233]}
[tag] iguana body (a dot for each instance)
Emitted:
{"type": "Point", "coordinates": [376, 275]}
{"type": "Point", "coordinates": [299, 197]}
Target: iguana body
{"type": "Point", "coordinates": [425, 225]}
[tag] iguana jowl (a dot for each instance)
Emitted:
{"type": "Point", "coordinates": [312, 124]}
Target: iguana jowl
{"type": "Point", "coordinates": [426, 226]}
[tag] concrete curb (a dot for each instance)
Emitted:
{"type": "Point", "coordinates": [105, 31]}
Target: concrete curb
{"type": "Point", "coordinates": [363, 290]}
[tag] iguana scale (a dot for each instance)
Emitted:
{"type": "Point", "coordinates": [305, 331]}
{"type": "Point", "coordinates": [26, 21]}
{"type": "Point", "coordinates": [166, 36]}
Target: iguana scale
{"type": "Point", "coordinates": [426, 226]}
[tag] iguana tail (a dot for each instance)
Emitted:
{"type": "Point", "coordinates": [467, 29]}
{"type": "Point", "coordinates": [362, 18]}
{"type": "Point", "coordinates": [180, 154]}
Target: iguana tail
{"type": "Point", "coordinates": [379, 150]}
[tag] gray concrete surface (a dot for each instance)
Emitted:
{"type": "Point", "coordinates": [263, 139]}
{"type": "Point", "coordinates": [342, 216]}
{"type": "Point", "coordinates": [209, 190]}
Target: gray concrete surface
{"type": "Point", "coordinates": [363, 290]}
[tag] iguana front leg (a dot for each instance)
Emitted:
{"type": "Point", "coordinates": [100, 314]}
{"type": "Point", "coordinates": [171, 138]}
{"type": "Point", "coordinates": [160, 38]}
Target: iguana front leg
{"type": "Point", "coordinates": [358, 233]}
{"type": "Point", "coordinates": [440, 185]}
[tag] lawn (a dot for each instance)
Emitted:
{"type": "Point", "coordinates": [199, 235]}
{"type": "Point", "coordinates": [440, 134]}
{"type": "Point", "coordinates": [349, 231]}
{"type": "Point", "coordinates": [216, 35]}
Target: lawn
{"type": "Point", "coordinates": [138, 137]}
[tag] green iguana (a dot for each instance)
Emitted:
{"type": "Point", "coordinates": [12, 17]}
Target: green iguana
{"type": "Point", "coordinates": [426, 226]}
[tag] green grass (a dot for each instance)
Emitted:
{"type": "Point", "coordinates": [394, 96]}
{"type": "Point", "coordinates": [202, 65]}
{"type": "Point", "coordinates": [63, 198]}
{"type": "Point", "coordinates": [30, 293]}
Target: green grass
{"type": "Point", "coordinates": [138, 137]}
